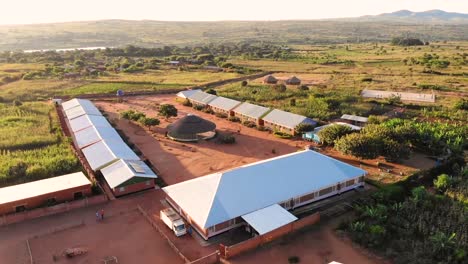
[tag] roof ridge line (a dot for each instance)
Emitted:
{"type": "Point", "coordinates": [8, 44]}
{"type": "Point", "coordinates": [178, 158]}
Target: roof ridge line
{"type": "Point", "coordinates": [213, 198]}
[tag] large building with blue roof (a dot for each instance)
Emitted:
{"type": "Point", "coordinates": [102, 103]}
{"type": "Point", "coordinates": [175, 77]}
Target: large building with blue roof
{"type": "Point", "coordinates": [267, 189]}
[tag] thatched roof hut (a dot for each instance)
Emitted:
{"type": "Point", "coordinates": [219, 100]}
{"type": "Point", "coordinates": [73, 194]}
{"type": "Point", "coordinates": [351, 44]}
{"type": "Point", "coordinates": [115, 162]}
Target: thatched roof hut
{"type": "Point", "coordinates": [191, 128]}
{"type": "Point", "coordinates": [270, 79]}
{"type": "Point", "coordinates": [293, 81]}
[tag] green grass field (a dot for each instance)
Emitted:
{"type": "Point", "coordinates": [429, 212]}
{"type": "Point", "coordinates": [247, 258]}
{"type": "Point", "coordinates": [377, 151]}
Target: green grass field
{"type": "Point", "coordinates": [31, 144]}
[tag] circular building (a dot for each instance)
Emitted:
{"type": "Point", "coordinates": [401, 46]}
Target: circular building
{"type": "Point", "coordinates": [270, 79]}
{"type": "Point", "coordinates": [191, 128]}
{"type": "Point", "coordinates": [293, 81]}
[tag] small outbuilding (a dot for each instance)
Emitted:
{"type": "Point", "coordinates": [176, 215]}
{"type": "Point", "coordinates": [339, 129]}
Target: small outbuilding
{"type": "Point", "coordinates": [270, 79]}
{"type": "Point", "coordinates": [293, 81]}
{"type": "Point", "coordinates": [313, 135]}
{"type": "Point", "coordinates": [191, 128]}
{"type": "Point", "coordinates": [128, 176]}
{"type": "Point", "coordinates": [355, 120]}
{"type": "Point", "coordinates": [187, 93]}
{"type": "Point", "coordinates": [47, 192]}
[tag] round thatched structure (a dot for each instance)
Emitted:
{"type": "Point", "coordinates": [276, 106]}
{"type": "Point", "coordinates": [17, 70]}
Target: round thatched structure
{"type": "Point", "coordinates": [191, 128]}
{"type": "Point", "coordinates": [293, 81]}
{"type": "Point", "coordinates": [270, 79]}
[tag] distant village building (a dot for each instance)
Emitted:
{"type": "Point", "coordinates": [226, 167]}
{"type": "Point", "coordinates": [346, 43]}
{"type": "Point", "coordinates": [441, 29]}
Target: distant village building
{"type": "Point", "coordinates": [354, 120]}
{"type": "Point", "coordinates": [187, 93]}
{"type": "Point", "coordinates": [26, 196]}
{"type": "Point", "coordinates": [293, 81]}
{"type": "Point", "coordinates": [278, 120]}
{"type": "Point", "coordinates": [201, 98]}
{"type": "Point", "coordinates": [260, 195]}
{"type": "Point", "coordinates": [269, 79]}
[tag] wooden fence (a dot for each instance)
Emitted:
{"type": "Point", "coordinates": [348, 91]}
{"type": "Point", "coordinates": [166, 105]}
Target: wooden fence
{"type": "Point", "coordinates": [227, 252]}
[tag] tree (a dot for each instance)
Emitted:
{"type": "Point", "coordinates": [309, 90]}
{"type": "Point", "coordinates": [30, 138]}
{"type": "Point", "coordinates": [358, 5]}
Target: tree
{"type": "Point", "coordinates": [244, 83]}
{"type": "Point", "coordinates": [329, 134]}
{"type": "Point", "coordinates": [17, 103]}
{"type": "Point", "coordinates": [461, 104]}
{"type": "Point", "coordinates": [304, 127]}
{"type": "Point", "coordinates": [442, 182]}
{"type": "Point", "coordinates": [79, 64]}
{"type": "Point", "coordinates": [359, 145]}
{"type": "Point", "coordinates": [212, 91]}
{"type": "Point", "coordinates": [149, 122]}
{"type": "Point", "coordinates": [167, 110]}
{"type": "Point", "coordinates": [292, 102]}
{"type": "Point", "coordinates": [419, 194]}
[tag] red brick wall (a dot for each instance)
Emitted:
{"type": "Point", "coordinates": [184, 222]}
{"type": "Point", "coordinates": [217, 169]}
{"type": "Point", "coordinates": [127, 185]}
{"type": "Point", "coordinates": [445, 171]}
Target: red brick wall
{"type": "Point", "coordinates": [257, 241]}
{"type": "Point", "coordinates": [134, 188]}
{"type": "Point", "coordinates": [34, 202]}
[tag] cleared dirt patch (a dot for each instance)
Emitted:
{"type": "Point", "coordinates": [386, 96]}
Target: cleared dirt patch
{"type": "Point", "coordinates": [127, 236]}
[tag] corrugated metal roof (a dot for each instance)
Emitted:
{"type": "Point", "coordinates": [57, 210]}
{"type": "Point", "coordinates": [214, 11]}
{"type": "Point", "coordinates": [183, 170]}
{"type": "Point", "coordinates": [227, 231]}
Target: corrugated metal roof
{"type": "Point", "coordinates": [222, 196]}
{"type": "Point", "coordinates": [85, 109]}
{"type": "Point", "coordinates": [286, 119]}
{"type": "Point", "coordinates": [269, 218]}
{"type": "Point", "coordinates": [73, 103]}
{"type": "Point", "coordinates": [187, 93]}
{"type": "Point", "coordinates": [86, 121]}
{"type": "Point", "coordinates": [124, 170]}
{"type": "Point", "coordinates": [42, 187]}
{"type": "Point", "coordinates": [251, 110]}
{"type": "Point", "coordinates": [202, 97]}
{"type": "Point", "coordinates": [106, 151]}
{"type": "Point", "coordinates": [353, 127]}
{"type": "Point", "coordinates": [355, 118]}
{"type": "Point", "coordinates": [224, 103]}
{"type": "Point", "coordinates": [91, 135]}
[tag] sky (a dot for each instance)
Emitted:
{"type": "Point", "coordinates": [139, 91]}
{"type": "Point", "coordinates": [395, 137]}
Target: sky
{"type": "Point", "coordinates": [45, 11]}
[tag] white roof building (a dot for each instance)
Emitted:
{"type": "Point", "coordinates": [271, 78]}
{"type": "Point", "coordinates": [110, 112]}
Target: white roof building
{"type": "Point", "coordinates": [223, 196]}
{"type": "Point", "coordinates": [105, 152]}
{"type": "Point", "coordinates": [353, 127]}
{"type": "Point", "coordinates": [251, 110]}
{"type": "Point", "coordinates": [86, 121]}
{"type": "Point", "coordinates": [91, 135]}
{"type": "Point", "coordinates": [355, 118]}
{"type": "Point", "coordinates": [286, 119]}
{"type": "Point", "coordinates": [122, 171]}
{"type": "Point", "coordinates": [202, 97]}
{"type": "Point", "coordinates": [84, 107]}
{"type": "Point", "coordinates": [74, 103]}
{"type": "Point", "coordinates": [224, 103]}
{"type": "Point", "coordinates": [42, 187]}
{"type": "Point", "coordinates": [187, 93]}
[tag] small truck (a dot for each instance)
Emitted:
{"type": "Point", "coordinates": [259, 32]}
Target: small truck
{"type": "Point", "coordinates": [173, 221]}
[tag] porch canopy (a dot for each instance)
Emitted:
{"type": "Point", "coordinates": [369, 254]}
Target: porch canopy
{"type": "Point", "coordinates": [269, 218]}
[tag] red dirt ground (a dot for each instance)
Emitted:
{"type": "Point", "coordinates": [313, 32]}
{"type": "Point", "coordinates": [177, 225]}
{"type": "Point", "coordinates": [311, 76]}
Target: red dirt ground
{"type": "Point", "coordinates": [128, 237]}
{"type": "Point", "coordinates": [177, 161]}
{"type": "Point", "coordinates": [316, 246]}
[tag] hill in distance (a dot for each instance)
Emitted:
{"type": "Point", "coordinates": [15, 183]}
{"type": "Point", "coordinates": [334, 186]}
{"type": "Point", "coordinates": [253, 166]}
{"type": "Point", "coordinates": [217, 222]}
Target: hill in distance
{"type": "Point", "coordinates": [430, 26]}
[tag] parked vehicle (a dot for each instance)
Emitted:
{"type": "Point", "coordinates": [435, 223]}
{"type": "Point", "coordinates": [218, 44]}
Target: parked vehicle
{"type": "Point", "coordinates": [173, 221]}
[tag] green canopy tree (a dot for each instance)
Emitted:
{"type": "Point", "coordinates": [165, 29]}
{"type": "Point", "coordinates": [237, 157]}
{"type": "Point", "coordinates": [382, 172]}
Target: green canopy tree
{"type": "Point", "coordinates": [329, 134]}
{"type": "Point", "coordinates": [168, 110]}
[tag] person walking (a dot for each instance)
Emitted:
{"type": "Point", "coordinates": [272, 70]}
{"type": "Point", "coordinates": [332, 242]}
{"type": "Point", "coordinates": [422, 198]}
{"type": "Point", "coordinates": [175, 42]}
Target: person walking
{"type": "Point", "coordinates": [102, 214]}
{"type": "Point", "coordinates": [98, 217]}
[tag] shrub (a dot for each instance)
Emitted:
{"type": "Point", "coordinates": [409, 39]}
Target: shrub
{"type": "Point", "coordinates": [366, 79]}
{"type": "Point", "coordinates": [132, 115]}
{"type": "Point", "coordinates": [221, 115]}
{"type": "Point", "coordinates": [234, 119]}
{"type": "Point", "coordinates": [198, 107]}
{"type": "Point", "coordinates": [211, 91]}
{"type": "Point", "coordinates": [244, 83]}
{"type": "Point", "coordinates": [186, 102]}
{"type": "Point", "coordinates": [303, 88]}
{"type": "Point", "coordinates": [292, 102]}
{"type": "Point", "coordinates": [149, 121]}
{"type": "Point", "coordinates": [207, 110]}
{"type": "Point", "coordinates": [167, 110]}
{"type": "Point", "coordinates": [442, 182]}
{"type": "Point", "coordinates": [280, 87]}
{"type": "Point", "coordinates": [262, 128]}
{"type": "Point", "coordinates": [304, 127]}
{"type": "Point", "coordinates": [226, 139]}
{"type": "Point", "coordinates": [283, 135]}
{"type": "Point", "coordinates": [17, 103]}
{"type": "Point", "coordinates": [250, 124]}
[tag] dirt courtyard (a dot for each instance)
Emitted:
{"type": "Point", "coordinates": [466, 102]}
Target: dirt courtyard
{"type": "Point", "coordinates": [178, 161]}
{"type": "Point", "coordinates": [127, 236]}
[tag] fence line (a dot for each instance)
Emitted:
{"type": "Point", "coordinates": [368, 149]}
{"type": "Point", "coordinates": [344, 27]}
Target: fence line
{"type": "Point", "coordinates": [31, 260]}
{"type": "Point", "coordinates": [148, 218]}
{"type": "Point", "coordinates": [208, 259]}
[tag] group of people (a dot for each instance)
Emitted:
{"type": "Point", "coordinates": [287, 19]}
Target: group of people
{"type": "Point", "coordinates": [100, 215]}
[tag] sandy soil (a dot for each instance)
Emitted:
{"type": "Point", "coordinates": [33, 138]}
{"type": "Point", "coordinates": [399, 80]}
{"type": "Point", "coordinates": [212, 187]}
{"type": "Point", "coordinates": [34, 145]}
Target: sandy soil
{"type": "Point", "coordinates": [128, 237]}
{"type": "Point", "coordinates": [176, 161]}
{"type": "Point", "coordinates": [316, 246]}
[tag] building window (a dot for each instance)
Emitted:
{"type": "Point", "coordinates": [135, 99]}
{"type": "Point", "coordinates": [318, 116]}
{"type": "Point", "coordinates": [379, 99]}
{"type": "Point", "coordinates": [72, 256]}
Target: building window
{"type": "Point", "coordinates": [349, 183]}
{"type": "Point", "coordinates": [20, 208]}
{"type": "Point", "coordinates": [122, 189]}
{"type": "Point", "coordinates": [326, 191]}
{"type": "Point", "coordinates": [78, 195]}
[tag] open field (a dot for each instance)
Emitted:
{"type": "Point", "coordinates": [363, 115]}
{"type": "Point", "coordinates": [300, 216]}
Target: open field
{"type": "Point", "coordinates": [31, 144]}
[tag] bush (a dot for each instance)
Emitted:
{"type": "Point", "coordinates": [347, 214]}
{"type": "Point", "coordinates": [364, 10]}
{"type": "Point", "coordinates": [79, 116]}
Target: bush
{"type": "Point", "coordinates": [329, 134]}
{"type": "Point", "coordinates": [211, 91]}
{"type": "Point", "coordinates": [250, 124]}
{"type": "Point", "coordinates": [367, 79]}
{"type": "Point", "coordinates": [304, 127]}
{"type": "Point", "coordinates": [149, 121]}
{"type": "Point", "coordinates": [207, 110]}
{"type": "Point", "coordinates": [283, 135]}
{"type": "Point", "coordinates": [443, 182]}
{"type": "Point", "coordinates": [234, 119]}
{"type": "Point", "coordinates": [292, 102]}
{"type": "Point", "coordinates": [198, 107]}
{"type": "Point", "coordinates": [226, 139]}
{"type": "Point", "coordinates": [186, 102]}
{"type": "Point", "coordinates": [280, 87]}
{"type": "Point", "coordinates": [17, 103]}
{"type": "Point", "coordinates": [303, 88]}
{"type": "Point", "coordinates": [262, 128]}
{"type": "Point", "coordinates": [244, 83]}
{"type": "Point", "coordinates": [221, 115]}
{"type": "Point", "coordinates": [167, 110]}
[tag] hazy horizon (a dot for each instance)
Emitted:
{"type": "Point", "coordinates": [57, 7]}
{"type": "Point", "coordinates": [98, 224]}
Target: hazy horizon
{"type": "Point", "coordinates": [56, 11]}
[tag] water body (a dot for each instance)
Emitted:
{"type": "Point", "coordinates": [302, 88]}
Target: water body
{"type": "Point", "coordinates": [69, 49]}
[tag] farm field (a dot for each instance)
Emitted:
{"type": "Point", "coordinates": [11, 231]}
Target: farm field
{"type": "Point", "coordinates": [31, 144]}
